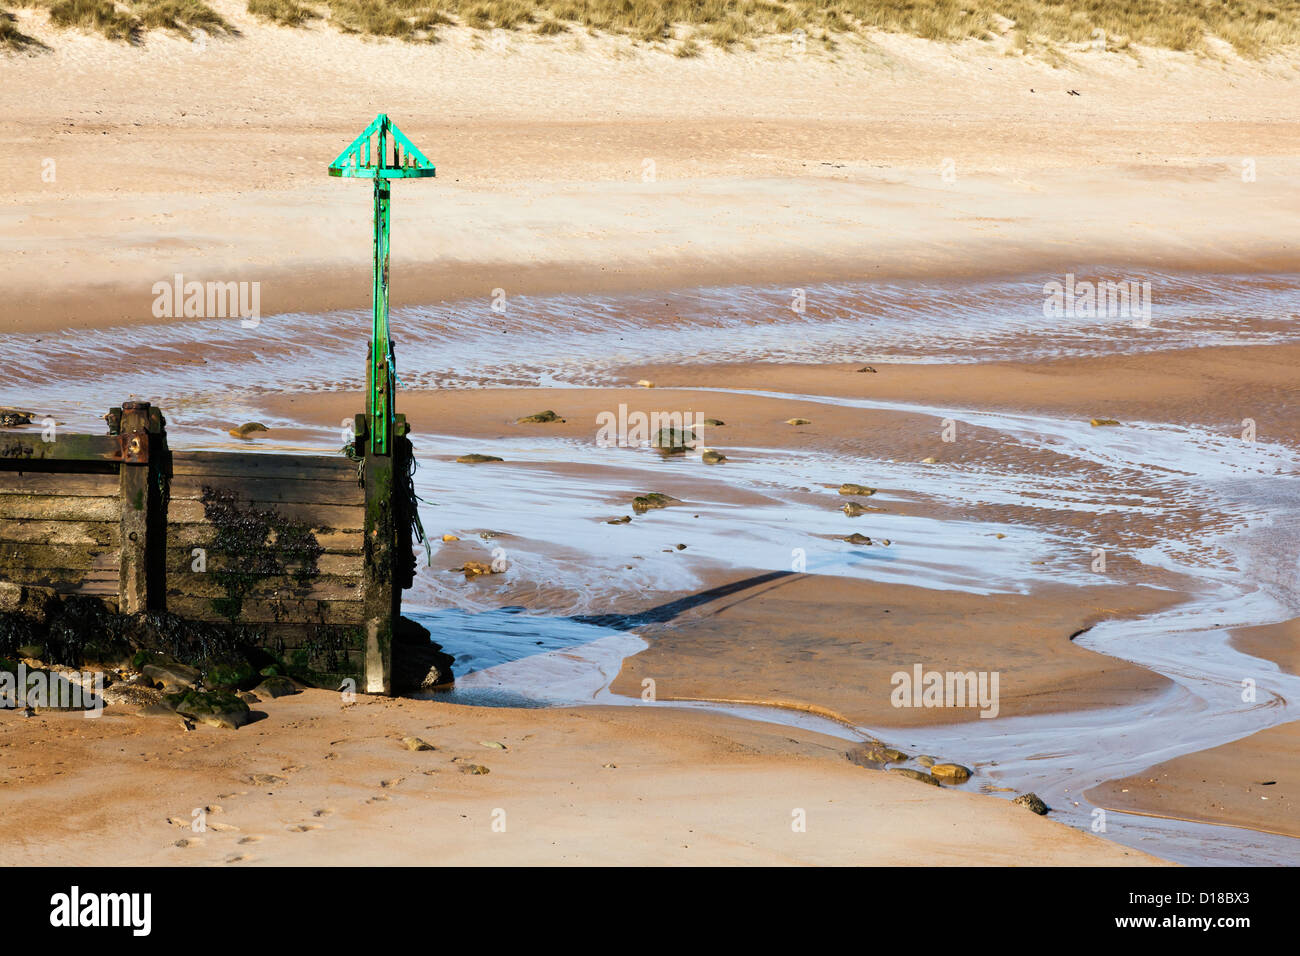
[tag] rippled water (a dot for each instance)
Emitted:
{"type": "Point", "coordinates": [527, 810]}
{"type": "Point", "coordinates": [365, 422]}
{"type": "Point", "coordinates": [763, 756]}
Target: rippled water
{"type": "Point", "coordinates": [583, 340]}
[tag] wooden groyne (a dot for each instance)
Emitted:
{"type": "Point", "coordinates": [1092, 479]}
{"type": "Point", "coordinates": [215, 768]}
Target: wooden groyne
{"type": "Point", "coordinates": [309, 553]}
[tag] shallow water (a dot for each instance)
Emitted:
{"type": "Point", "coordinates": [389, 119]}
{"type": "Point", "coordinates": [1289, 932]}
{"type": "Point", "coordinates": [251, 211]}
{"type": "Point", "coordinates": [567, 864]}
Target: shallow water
{"type": "Point", "coordinates": [768, 509]}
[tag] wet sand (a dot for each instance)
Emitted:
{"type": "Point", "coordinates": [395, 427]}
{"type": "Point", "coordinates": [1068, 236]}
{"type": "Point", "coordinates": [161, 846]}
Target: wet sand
{"type": "Point", "coordinates": [834, 645]}
{"type": "Point", "coordinates": [1253, 782]}
{"type": "Point", "coordinates": [1279, 643]}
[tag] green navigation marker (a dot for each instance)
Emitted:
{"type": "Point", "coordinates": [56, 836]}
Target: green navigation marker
{"type": "Point", "coordinates": [382, 152]}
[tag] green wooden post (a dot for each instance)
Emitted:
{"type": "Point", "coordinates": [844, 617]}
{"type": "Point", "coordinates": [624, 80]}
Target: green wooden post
{"type": "Point", "coordinates": [383, 483]}
{"type": "Point", "coordinates": [382, 164]}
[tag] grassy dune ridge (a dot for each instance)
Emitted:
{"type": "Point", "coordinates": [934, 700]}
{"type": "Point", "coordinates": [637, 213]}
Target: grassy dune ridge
{"type": "Point", "coordinates": [1252, 28]}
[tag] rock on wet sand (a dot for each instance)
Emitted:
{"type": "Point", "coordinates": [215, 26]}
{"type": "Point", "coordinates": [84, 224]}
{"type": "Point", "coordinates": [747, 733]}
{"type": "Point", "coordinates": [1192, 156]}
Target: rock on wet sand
{"type": "Point", "coordinates": [539, 418]}
{"type": "Point", "coordinates": [648, 502]}
{"type": "Point", "coordinates": [1032, 802]}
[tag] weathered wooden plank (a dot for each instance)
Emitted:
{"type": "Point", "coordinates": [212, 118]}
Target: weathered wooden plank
{"type": "Point", "coordinates": [16, 449]}
{"type": "Point", "coordinates": [275, 490]}
{"type": "Point", "coordinates": [251, 465]}
{"type": "Point", "coordinates": [333, 517]}
{"type": "Point", "coordinates": [59, 508]}
{"type": "Point", "coordinates": [256, 611]}
{"type": "Point", "coordinates": [66, 581]}
{"type": "Point", "coordinates": [324, 588]}
{"type": "Point", "coordinates": [181, 561]}
{"type": "Point", "coordinates": [190, 536]}
{"type": "Point", "coordinates": [103, 533]}
{"type": "Point", "coordinates": [54, 483]}
{"type": "Point", "coordinates": [297, 634]}
{"type": "Point", "coordinates": [68, 557]}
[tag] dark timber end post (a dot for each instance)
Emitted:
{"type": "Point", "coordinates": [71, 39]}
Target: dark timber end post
{"type": "Point", "coordinates": [134, 433]}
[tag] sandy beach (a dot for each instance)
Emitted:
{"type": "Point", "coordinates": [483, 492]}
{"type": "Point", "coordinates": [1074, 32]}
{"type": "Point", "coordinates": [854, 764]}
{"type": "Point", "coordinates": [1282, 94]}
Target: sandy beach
{"type": "Point", "coordinates": [647, 221]}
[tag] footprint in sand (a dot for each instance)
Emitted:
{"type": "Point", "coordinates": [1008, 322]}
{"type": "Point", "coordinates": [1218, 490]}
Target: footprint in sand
{"type": "Point", "coordinates": [391, 783]}
{"type": "Point", "coordinates": [222, 827]}
{"type": "Point", "coordinates": [250, 839]}
{"type": "Point", "coordinates": [321, 813]}
{"type": "Point", "coordinates": [188, 841]}
{"type": "Point", "coordinates": [302, 827]}
{"type": "Point", "coordinates": [239, 858]}
{"type": "Point", "coordinates": [379, 796]}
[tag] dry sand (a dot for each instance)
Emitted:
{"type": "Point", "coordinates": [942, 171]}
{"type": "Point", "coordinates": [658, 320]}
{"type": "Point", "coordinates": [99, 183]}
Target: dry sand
{"type": "Point", "coordinates": [589, 786]}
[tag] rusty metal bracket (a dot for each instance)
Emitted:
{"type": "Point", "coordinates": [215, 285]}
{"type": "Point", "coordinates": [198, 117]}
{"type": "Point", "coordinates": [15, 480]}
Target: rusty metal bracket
{"type": "Point", "coordinates": [133, 448]}
{"type": "Point", "coordinates": [133, 433]}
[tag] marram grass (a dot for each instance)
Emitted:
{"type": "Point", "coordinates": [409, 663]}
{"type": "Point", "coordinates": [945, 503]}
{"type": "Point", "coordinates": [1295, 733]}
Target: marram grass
{"type": "Point", "coordinates": [1251, 27]}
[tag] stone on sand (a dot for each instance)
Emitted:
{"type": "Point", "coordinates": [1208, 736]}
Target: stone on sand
{"type": "Point", "coordinates": [648, 502]}
{"type": "Point", "coordinates": [875, 755]}
{"type": "Point", "coordinates": [951, 772]}
{"type": "Point", "coordinates": [276, 687]}
{"type": "Point", "coordinates": [848, 488]}
{"type": "Point", "coordinates": [248, 430]}
{"type": "Point", "coordinates": [211, 707]}
{"type": "Point", "coordinates": [1033, 802]}
{"type": "Point", "coordinates": [539, 419]}
{"type": "Point", "coordinates": [134, 698]}
{"type": "Point", "coordinates": [171, 676]}
{"type": "Point", "coordinates": [9, 418]}
{"type": "Point", "coordinates": [673, 441]}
